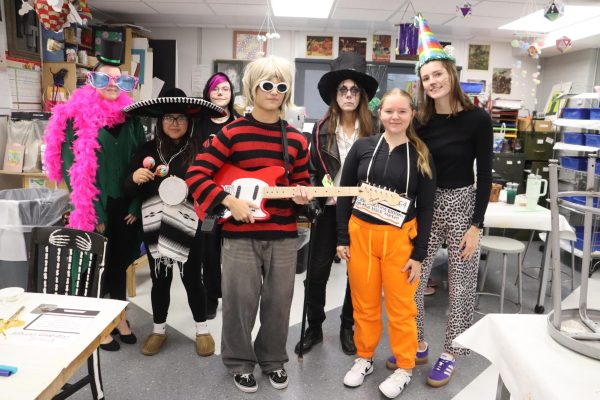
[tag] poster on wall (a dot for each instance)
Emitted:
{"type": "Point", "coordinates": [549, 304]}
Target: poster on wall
{"type": "Point", "coordinates": [319, 46]}
{"type": "Point", "coordinates": [554, 105]}
{"type": "Point", "coordinates": [247, 47]}
{"type": "Point", "coordinates": [358, 45]}
{"type": "Point", "coordinates": [234, 69]}
{"type": "Point", "coordinates": [501, 80]}
{"type": "Point", "coordinates": [381, 47]}
{"type": "Point", "coordinates": [479, 57]}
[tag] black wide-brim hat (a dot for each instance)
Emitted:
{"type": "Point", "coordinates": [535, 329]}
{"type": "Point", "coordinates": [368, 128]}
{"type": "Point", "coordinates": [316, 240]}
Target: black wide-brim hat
{"type": "Point", "coordinates": [349, 65]}
{"type": "Point", "coordinates": [175, 101]}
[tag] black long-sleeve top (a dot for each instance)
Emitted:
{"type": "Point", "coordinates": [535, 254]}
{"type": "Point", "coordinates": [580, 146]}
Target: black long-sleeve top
{"type": "Point", "coordinates": [455, 142]}
{"type": "Point", "coordinates": [389, 170]}
{"type": "Point", "coordinates": [177, 167]}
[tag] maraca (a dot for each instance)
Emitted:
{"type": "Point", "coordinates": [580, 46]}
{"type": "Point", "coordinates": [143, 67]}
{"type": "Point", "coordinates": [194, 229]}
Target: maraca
{"type": "Point", "coordinates": [162, 170]}
{"type": "Point", "coordinates": [148, 162]}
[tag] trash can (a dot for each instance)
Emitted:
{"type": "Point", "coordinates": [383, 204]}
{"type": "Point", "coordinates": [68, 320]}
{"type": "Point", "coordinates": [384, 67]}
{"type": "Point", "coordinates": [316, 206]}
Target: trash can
{"type": "Point", "coordinates": [20, 211]}
{"type": "Point", "coordinates": [302, 256]}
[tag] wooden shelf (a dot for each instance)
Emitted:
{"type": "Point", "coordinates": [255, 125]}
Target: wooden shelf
{"type": "Point", "coordinates": [30, 174]}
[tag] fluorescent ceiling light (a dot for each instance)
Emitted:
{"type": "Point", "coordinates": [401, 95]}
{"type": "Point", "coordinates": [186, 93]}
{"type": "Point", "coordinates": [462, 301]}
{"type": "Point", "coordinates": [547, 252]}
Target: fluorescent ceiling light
{"type": "Point", "coordinates": [536, 22]}
{"type": "Point", "coordinates": [301, 8]}
{"type": "Point", "coordinates": [587, 28]}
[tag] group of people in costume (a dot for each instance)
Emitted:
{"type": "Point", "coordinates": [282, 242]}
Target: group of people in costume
{"type": "Point", "coordinates": [167, 190]}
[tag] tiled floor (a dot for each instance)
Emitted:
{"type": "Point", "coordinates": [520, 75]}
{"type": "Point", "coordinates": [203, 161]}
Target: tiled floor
{"type": "Point", "coordinates": [178, 373]}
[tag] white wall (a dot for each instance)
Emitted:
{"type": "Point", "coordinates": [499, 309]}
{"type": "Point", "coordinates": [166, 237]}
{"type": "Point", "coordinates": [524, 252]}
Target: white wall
{"type": "Point", "coordinates": [217, 44]}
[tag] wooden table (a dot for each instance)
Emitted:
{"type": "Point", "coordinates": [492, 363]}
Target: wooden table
{"type": "Point", "coordinates": [44, 369]}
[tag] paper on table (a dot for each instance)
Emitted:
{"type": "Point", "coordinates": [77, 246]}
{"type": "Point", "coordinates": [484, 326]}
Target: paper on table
{"type": "Point", "coordinates": [59, 323]}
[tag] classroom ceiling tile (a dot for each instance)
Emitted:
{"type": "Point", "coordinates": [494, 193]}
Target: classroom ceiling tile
{"type": "Point", "coordinates": [238, 2]}
{"type": "Point", "coordinates": [181, 8]}
{"type": "Point", "coordinates": [234, 9]}
{"type": "Point", "coordinates": [361, 14]}
{"type": "Point", "coordinates": [122, 7]}
{"type": "Point", "coordinates": [371, 4]}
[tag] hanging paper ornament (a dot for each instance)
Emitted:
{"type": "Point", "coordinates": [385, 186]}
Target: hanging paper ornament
{"type": "Point", "coordinates": [84, 11]}
{"type": "Point", "coordinates": [554, 10]}
{"type": "Point", "coordinates": [514, 43]}
{"type": "Point", "coordinates": [449, 49]}
{"type": "Point", "coordinates": [518, 64]}
{"type": "Point", "coordinates": [534, 50]}
{"type": "Point", "coordinates": [408, 39]}
{"type": "Point", "coordinates": [464, 9]}
{"type": "Point", "coordinates": [563, 44]}
{"type": "Point", "coordinates": [50, 19]}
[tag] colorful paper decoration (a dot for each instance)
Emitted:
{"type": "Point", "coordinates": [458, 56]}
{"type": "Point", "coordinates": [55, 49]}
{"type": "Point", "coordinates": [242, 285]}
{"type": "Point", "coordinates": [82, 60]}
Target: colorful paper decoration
{"type": "Point", "coordinates": [534, 50]}
{"type": "Point", "coordinates": [50, 19]}
{"type": "Point", "coordinates": [408, 39]}
{"type": "Point", "coordinates": [464, 9]}
{"type": "Point", "coordinates": [554, 11]}
{"type": "Point", "coordinates": [563, 43]}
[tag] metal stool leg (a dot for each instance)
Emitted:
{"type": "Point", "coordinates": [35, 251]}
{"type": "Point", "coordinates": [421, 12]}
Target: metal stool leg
{"type": "Point", "coordinates": [485, 267]}
{"type": "Point", "coordinates": [572, 265]}
{"type": "Point", "coordinates": [520, 281]}
{"type": "Point", "coordinates": [505, 259]}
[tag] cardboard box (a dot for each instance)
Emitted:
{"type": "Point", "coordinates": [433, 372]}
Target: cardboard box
{"type": "Point", "coordinates": [525, 124]}
{"type": "Point", "coordinates": [542, 126]}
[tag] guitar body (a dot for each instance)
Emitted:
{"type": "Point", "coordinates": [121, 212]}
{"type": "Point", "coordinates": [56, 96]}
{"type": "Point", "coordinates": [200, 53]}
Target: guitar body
{"type": "Point", "coordinates": [248, 185]}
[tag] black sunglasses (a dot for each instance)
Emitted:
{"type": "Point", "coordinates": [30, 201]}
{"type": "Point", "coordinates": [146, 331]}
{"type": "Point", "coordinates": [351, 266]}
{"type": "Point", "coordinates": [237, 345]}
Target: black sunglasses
{"type": "Point", "coordinates": [268, 86]}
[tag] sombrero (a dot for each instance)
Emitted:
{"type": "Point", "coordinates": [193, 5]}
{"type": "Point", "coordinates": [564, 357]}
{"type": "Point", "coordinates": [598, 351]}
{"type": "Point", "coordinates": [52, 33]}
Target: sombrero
{"type": "Point", "coordinates": [174, 101]}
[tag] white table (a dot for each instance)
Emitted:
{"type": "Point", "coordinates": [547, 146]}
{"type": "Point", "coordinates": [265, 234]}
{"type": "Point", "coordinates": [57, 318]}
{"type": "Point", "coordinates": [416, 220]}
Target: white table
{"type": "Point", "coordinates": [531, 364]}
{"type": "Point", "coordinates": [43, 370]}
{"type": "Point", "coordinates": [510, 216]}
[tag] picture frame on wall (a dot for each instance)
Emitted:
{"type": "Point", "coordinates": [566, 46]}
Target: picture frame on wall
{"type": "Point", "coordinates": [382, 45]}
{"type": "Point", "coordinates": [234, 69]}
{"type": "Point", "coordinates": [247, 47]}
{"type": "Point", "coordinates": [502, 81]}
{"type": "Point", "coordinates": [353, 44]}
{"type": "Point", "coordinates": [479, 57]}
{"type": "Point", "coordinates": [319, 46]}
{"type": "Point", "coordinates": [22, 32]}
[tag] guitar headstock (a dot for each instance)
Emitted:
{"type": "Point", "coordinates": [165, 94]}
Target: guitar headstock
{"type": "Point", "coordinates": [373, 194]}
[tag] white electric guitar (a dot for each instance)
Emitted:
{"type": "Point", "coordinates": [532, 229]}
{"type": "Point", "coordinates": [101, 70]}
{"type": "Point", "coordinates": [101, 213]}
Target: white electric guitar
{"type": "Point", "coordinates": [260, 185]}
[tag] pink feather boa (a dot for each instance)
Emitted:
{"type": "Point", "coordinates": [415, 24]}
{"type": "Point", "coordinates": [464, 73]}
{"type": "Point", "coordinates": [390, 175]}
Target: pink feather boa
{"type": "Point", "coordinates": [89, 112]}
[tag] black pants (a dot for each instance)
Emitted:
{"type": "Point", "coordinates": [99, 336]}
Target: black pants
{"type": "Point", "coordinates": [323, 252]}
{"type": "Point", "coordinates": [123, 242]}
{"type": "Point", "coordinates": [192, 281]}
{"type": "Point", "coordinates": [211, 263]}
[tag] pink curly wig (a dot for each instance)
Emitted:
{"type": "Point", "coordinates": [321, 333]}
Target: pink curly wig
{"type": "Point", "coordinates": [89, 112]}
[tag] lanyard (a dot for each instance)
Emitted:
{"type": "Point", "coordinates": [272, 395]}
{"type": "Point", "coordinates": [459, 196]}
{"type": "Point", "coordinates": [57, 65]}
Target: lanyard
{"type": "Point", "coordinates": [407, 162]}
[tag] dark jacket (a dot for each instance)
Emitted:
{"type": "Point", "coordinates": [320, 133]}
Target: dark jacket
{"type": "Point", "coordinates": [323, 160]}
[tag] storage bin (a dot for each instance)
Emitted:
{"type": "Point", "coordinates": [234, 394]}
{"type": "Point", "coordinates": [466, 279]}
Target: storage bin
{"type": "Point", "coordinates": [592, 139]}
{"type": "Point", "coordinates": [576, 113]}
{"type": "Point", "coordinates": [471, 87]}
{"type": "Point", "coordinates": [576, 163]}
{"type": "Point", "coordinates": [594, 113]}
{"type": "Point", "coordinates": [573, 138]}
{"type": "Point", "coordinates": [579, 241]}
{"type": "Point", "coordinates": [580, 200]}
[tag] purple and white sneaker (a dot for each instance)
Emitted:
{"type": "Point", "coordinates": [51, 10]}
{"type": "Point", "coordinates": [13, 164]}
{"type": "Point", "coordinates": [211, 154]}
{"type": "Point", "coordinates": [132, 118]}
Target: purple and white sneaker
{"type": "Point", "coordinates": [421, 358]}
{"type": "Point", "coordinates": [442, 371]}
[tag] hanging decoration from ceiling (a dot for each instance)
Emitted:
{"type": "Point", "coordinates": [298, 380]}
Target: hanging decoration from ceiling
{"type": "Point", "coordinates": [267, 32]}
{"type": "Point", "coordinates": [554, 10]}
{"type": "Point", "coordinates": [464, 9]}
{"type": "Point", "coordinates": [54, 15]}
{"type": "Point", "coordinates": [563, 43]}
{"type": "Point", "coordinates": [408, 33]}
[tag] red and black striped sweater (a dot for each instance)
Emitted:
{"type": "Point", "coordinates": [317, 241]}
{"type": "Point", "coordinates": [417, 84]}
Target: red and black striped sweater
{"type": "Point", "coordinates": [250, 145]}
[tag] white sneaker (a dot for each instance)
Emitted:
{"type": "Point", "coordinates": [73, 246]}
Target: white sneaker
{"type": "Point", "coordinates": [361, 368]}
{"type": "Point", "coordinates": [395, 383]}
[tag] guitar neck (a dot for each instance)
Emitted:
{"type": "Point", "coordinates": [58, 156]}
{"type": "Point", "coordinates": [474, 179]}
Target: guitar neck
{"type": "Point", "coordinates": [286, 192]}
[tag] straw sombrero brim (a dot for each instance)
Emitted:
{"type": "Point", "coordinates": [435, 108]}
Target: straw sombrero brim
{"type": "Point", "coordinates": [329, 82]}
{"type": "Point", "coordinates": [191, 106]}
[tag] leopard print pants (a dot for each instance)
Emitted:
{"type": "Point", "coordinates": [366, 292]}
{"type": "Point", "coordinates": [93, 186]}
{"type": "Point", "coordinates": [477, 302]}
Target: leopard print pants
{"type": "Point", "coordinates": [453, 210]}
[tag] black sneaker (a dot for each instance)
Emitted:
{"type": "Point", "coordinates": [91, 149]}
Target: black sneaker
{"type": "Point", "coordinates": [245, 382]}
{"type": "Point", "coordinates": [278, 379]}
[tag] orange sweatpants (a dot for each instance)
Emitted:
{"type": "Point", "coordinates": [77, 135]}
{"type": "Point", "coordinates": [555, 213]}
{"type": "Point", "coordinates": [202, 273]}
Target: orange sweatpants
{"type": "Point", "coordinates": [378, 253]}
